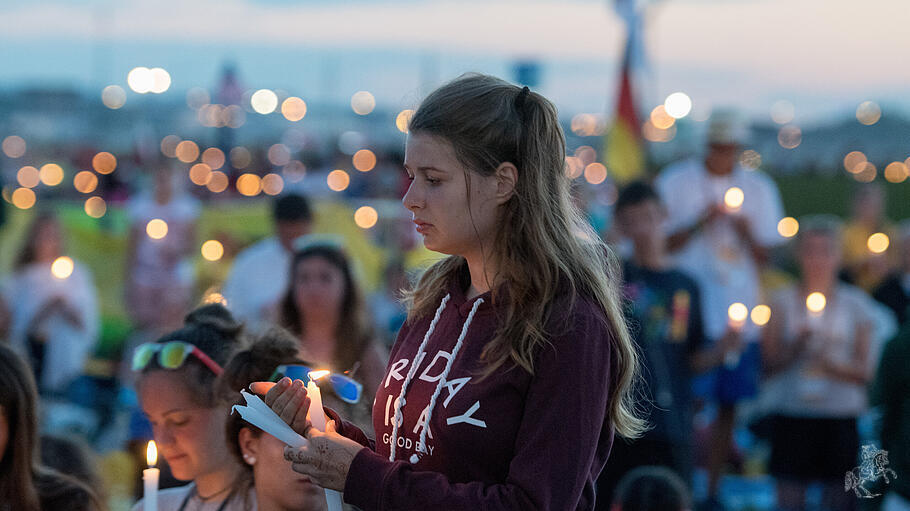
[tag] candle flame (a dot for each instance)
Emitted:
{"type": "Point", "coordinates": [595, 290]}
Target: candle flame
{"type": "Point", "coordinates": [816, 302]}
{"type": "Point", "coordinates": [761, 314]}
{"type": "Point", "coordinates": [151, 454]}
{"type": "Point", "coordinates": [315, 375]}
{"type": "Point", "coordinates": [738, 312]}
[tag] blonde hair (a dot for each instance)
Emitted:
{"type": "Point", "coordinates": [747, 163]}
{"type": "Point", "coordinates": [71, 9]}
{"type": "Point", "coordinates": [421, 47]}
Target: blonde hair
{"type": "Point", "coordinates": [547, 244]}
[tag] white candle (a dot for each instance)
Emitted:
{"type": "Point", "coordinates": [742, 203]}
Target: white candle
{"type": "Point", "coordinates": [150, 479]}
{"type": "Point", "coordinates": [316, 414]}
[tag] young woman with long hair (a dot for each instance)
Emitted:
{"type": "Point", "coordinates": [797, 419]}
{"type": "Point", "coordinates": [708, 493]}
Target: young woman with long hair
{"type": "Point", "coordinates": [25, 485]}
{"type": "Point", "coordinates": [325, 309]}
{"type": "Point", "coordinates": [515, 367]}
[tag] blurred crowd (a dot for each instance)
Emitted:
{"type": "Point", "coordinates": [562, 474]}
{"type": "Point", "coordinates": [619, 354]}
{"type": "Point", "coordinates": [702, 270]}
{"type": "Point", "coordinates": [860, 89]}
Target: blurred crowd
{"type": "Point", "coordinates": [755, 336]}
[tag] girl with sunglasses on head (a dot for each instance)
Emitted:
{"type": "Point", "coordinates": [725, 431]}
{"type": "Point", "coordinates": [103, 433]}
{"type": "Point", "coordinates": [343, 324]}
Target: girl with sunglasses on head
{"type": "Point", "coordinates": [513, 371]}
{"type": "Point", "coordinates": [324, 308]}
{"type": "Point", "coordinates": [277, 486]}
{"type": "Point", "coordinates": [176, 385]}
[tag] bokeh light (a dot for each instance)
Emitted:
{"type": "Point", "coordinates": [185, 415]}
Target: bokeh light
{"type": "Point", "coordinates": [62, 267]}
{"type": "Point", "coordinates": [51, 174]}
{"type": "Point", "coordinates": [760, 315]}
{"type": "Point", "coordinates": [140, 80]}
{"type": "Point", "coordinates": [788, 227]}
{"type": "Point", "coordinates": [241, 157]}
{"type": "Point", "coordinates": [294, 171]}
{"type": "Point", "coordinates": [156, 228]}
{"type": "Point", "coordinates": [575, 167]}
{"type": "Point", "coordinates": [200, 174]}
{"type": "Point", "coordinates": [782, 112]}
{"type": "Point", "coordinates": [816, 302]}
{"type": "Point", "coordinates": [595, 173]}
{"type": "Point", "coordinates": [85, 181]}
{"type": "Point", "coordinates": [104, 163]}
{"type": "Point", "coordinates": [279, 155]}
{"type": "Point", "coordinates": [218, 182]}
{"type": "Point", "coordinates": [293, 109]}
{"type": "Point", "coordinates": [272, 184]}
{"type": "Point", "coordinates": [364, 160]}
{"type": "Point", "coordinates": [28, 177]}
{"type": "Point", "coordinates": [362, 102]}
{"type": "Point", "coordinates": [95, 207]}
{"type": "Point", "coordinates": [790, 136]}
{"type": "Point", "coordinates": [23, 198]}
{"type": "Point", "coordinates": [738, 312]}
{"type": "Point", "coordinates": [213, 157]}
{"type": "Point", "coordinates": [161, 80]}
{"type": "Point", "coordinates": [212, 250]}
{"type": "Point", "coordinates": [896, 172]}
{"type": "Point", "coordinates": [853, 162]}
{"type": "Point", "coordinates": [660, 119]}
{"type": "Point", "coordinates": [169, 146]}
{"type": "Point", "coordinates": [586, 154]}
{"type": "Point", "coordinates": [187, 151]}
{"type": "Point", "coordinates": [113, 97]}
{"type": "Point", "coordinates": [750, 159]}
{"type": "Point", "coordinates": [866, 173]}
{"type": "Point", "coordinates": [338, 180]}
{"type": "Point", "coordinates": [264, 101]}
{"type": "Point", "coordinates": [868, 113]}
{"type": "Point", "coordinates": [878, 243]}
{"type": "Point", "coordinates": [366, 217]}
{"type": "Point", "coordinates": [249, 184]}
{"type": "Point", "coordinates": [13, 146]}
{"type": "Point", "coordinates": [233, 116]}
{"type": "Point", "coordinates": [403, 119]}
{"type": "Point", "coordinates": [678, 105]}
{"type": "Point", "coordinates": [654, 134]}
{"type": "Point", "coordinates": [734, 198]}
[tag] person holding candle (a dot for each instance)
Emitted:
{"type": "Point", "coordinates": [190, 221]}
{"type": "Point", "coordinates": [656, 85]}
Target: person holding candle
{"type": "Point", "coordinates": [324, 308]}
{"type": "Point", "coordinates": [26, 485]}
{"type": "Point", "coordinates": [54, 317]}
{"type": "Point", "coordinates": [514, 369]}
{"type": "Point", "coordinates": [665, 307]}
{"type": "Point", "coordinates": [817, 371]}
{"type": "Point", "coordinates": [176, 385]}
{"type": "Point", "coordinates": [721, 223]}
{"type": "Point", "coordinates": [277, 487]}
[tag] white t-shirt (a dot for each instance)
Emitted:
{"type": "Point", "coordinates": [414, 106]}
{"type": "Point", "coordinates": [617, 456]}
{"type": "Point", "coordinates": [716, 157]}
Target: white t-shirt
{"type": "Point", "coordinates": [172, 498]}
{"type": "Point", "coordinates": [257, 281]}
{"type": "Point", "coordinates": [67, 346]}
{"type": "Point", "coordinates": [155, 264]}
{"type": "Point", "coordinates": [798, 391]}
{"type": "Point", "coordinates": [716, 257]}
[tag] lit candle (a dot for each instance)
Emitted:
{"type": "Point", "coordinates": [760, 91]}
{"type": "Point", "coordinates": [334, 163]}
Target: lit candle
{"type": "Point", "coordinates": [738, 314]}
{"type": "Point", "coordinates": [815, 305]}
{"type": "Point", "coordinates": [316, 414]}
{"type": "Point", "coordinates": [760, 315]}
{"type": "Point", "coordinates": [734, 198]}
{"type": "Point", "coordinates": [150, 479]}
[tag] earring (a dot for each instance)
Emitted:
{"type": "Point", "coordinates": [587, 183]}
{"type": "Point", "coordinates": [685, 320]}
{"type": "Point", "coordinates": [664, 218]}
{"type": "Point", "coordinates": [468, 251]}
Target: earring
{"type": "Point", "coordinates": [250, 460]}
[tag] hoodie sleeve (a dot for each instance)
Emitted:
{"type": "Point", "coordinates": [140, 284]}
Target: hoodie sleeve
{"type": "Point", "coordinates": [562, 444]}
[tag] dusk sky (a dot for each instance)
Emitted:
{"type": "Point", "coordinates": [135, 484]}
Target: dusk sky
{"type": "Point", "coordinates": [825, 56]}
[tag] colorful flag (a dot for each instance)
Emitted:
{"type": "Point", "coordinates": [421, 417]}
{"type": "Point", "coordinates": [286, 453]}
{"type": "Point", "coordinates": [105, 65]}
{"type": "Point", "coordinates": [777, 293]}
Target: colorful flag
{"type": "Point", "coordinates": [624, 149]}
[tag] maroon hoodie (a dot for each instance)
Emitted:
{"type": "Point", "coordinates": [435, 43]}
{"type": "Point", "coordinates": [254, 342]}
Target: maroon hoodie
{"type": "Point", "coordinates": [510, 441]}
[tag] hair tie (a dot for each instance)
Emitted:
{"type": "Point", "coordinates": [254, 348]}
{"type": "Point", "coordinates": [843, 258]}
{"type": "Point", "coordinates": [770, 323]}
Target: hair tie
{"type": "Point", "coordinates": [520, 99]}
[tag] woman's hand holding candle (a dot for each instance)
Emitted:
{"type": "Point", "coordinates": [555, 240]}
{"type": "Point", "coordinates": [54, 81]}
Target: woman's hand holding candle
{"type": "Point", "coordinates": [326, 459]}
{"type": "Point", "coordinates": [289, 400]}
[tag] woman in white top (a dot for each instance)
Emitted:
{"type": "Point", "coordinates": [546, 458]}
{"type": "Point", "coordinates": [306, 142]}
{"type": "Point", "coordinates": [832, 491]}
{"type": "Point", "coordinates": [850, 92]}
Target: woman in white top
{"type": "Point", "coordinates": [818, 354]}
{"type": "Point", "coordinates": [53, 310]}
